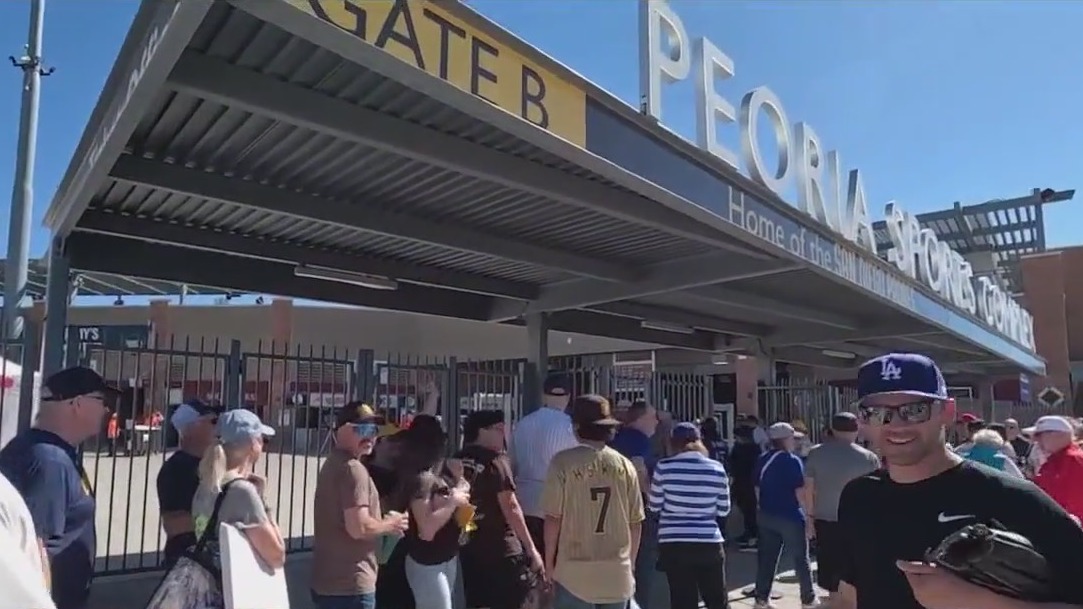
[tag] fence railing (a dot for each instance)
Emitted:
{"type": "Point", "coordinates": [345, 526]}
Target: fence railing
{"type": "Point", "coordinates": [805, 403]}
{"type": "Point", "coordinates": [1026, 413]}
{"type": "Point", "coordinates": [295, 389]}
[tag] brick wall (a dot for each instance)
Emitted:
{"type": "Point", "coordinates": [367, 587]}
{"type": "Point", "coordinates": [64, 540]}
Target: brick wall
{"type": "Point", "coordinates": [1046, 297]}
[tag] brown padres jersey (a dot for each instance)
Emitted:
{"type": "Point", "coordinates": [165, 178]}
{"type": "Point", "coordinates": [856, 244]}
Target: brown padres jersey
{"type": "Point", "coordinates": [595, 494]}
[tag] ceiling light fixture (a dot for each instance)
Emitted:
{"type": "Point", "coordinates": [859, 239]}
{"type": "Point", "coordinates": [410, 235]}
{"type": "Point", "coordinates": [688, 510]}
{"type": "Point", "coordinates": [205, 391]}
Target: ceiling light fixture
{"type": "Point", "coordinates": [662, 326]}
{"type": "Point", "coordinates": [372, 282]}
{"type": "Point", "coordinates": [838, 354]}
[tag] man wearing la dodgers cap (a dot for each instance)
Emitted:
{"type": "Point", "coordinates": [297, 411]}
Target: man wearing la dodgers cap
{"type": "Point", "coordinates": [926, 492]}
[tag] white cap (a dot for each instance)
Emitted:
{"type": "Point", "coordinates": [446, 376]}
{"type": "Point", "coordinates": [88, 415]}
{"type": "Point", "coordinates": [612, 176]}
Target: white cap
{"type": "Point", "coordinates": [189, 412]}
{"type": "Point", "coordinates": [1053, 423]}
{"type": "Point", "coordinates": [783, 430]}
{"type": "Point", "coordinates": [183, 416]}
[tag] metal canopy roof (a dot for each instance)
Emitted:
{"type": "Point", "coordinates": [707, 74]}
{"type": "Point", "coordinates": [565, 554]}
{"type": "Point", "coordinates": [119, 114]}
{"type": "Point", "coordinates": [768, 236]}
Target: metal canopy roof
{"type": "Point", "coordinates": [236, 149]}
{"type": "Point", "coordinates": [1004, 229]}
{"type": "Point", "coordinates": [109, 284]}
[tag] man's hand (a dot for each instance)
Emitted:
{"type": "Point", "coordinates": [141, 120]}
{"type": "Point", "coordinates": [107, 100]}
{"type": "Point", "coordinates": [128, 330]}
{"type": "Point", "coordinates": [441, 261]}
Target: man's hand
{"type": "Point", "coordinates": [537, 564]}
{"type": "Point", "coordinates": [398, 522]}
{"type": "Point", "coordinates": [935, 588]}
{"type": "Point", "coordinates": [810, 529]}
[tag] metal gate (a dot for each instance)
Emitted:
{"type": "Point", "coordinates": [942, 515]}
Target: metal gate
{"type": "Point", "coordinates": [687, 396]}
{"type": "Point", "coordinates": [811, 405]}
{"type": "Point", "coordinates": [295, 390]}
{"type": "Point", "coordinates": [123, 460]}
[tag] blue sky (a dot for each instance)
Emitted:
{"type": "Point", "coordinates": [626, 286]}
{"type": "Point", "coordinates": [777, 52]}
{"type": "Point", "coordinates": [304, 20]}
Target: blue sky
{"type": "Point", "coordinates": [935, 102]}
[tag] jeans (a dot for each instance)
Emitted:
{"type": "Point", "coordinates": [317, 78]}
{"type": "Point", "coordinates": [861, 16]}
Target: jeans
{"type": "Point", "coordinates": [562, 599]}
{"type": "Point", "coordinates": [366, 600]}
{"type": "Point", "coordinates": [694, 571]}
{"type": "Point", "coordinates": [744, 497]}
{"type": "Point", "coordinates": [646, 561]}
{"type": "Point", "coordinates": [780, 536]}
{"type": "Point", "coordinates": [830, 554]}
{"type": "Point", "coordinates": [434, 586]}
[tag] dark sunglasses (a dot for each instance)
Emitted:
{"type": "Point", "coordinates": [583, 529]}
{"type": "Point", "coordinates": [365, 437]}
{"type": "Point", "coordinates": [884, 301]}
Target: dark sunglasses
{"type": "Point", "coordinates": [912, 412]}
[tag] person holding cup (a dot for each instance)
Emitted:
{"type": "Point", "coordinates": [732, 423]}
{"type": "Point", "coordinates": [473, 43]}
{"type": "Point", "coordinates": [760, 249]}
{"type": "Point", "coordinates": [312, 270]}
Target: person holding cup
{"type": "Point", "coordinates": [350, 527]}
{"type": "Point", "coordinates": [440, 515]}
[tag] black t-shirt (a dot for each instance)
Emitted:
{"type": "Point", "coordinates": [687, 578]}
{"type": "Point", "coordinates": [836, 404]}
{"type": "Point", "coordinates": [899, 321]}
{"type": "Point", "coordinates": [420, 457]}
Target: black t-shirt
{"type": "Point", "coordinates": [445, 544]}
{"type": "Point", "coordinates": [489, 474]}
{"type": "Point", "coordinates": [883, 521]}
{"type": "Point", "coordinates": [177, 483]}
{"type": "Point", "coordinates": [1022, 449]}
{"type": "Point", "coordinates": [742, 463]}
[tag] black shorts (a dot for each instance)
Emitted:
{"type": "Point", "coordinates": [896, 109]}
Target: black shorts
{"type": "Point", "coordinates": [536, 527]}
{"type": "Point", "coordinates": [830, 554]}
{"type": "Point", "coordinates": [496, 584]}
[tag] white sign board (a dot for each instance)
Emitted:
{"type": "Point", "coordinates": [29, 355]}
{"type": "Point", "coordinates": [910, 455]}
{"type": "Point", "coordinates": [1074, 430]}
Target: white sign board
{"type": "Point", "coordinates": [832, 197]}
{"type": "Point", "coordinates": [247, 583]}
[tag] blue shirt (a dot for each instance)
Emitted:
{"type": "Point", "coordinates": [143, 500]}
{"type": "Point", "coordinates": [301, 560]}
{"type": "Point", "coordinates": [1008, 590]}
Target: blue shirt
{"type": "Point", "coordinates": [691, 493]}
{"type": "Point", "coordinates": [633, 443]}
{"type": "Point", "coordinates": [43, 467]}
{"type": "Point", "coordinates": [780, 474]}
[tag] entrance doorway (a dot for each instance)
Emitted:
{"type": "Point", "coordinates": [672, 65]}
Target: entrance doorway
{"type": "Point", "coordinates": [723, 415]}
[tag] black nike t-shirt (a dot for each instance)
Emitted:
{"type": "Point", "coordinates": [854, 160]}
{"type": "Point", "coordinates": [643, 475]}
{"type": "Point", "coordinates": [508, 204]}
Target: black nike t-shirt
{"type": "Point", "coordinates": [883, 521]}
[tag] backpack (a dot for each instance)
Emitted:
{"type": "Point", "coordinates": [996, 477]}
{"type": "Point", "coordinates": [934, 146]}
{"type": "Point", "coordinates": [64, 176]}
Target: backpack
{"type": "Point", "coordinates": [986, 455]}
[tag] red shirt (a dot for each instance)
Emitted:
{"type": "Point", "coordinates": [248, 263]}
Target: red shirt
{"type": "Point", "coordinates": [1061, 477]}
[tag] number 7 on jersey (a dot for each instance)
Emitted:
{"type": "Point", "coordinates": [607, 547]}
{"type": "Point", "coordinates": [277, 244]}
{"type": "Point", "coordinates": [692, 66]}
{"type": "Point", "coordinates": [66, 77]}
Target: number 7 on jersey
{"type": "Point", "coordinates": [602, 494]}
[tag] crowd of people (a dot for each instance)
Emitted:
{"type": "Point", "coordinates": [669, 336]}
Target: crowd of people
{"type": "Point", "coordinates": [574, 508]}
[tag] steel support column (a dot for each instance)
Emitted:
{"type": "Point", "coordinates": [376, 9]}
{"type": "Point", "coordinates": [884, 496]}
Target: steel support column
{"type": "Point", "coordinates": [22, 196]}
{"type": "Point", "coordinates": [57, 291]}
{"type": "Point", "coordinates": [537, 360]}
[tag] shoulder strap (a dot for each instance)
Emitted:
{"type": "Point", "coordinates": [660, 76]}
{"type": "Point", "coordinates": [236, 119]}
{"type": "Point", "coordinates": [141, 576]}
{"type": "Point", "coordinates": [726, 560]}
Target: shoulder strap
{"type": "Point", "coordinates": [85, 480]}
{"type": "Point", "coordinates": [768, 464]}
{"type": "Point", "coordinates": [211, 530]}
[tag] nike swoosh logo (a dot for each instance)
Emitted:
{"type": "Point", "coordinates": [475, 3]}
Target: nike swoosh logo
{"type": "Point", "coordinates": [942, 517]}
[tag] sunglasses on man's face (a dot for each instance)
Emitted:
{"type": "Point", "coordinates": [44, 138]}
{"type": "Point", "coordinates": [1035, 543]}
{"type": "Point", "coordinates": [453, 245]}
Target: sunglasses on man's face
{"type": "Point", "coordinates": [365, 431]}
{"type": "Point", "coordinates": [912, 412]}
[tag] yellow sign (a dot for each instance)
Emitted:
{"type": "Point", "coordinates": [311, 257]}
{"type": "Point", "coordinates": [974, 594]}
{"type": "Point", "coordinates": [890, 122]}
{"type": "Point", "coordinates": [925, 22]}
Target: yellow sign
{"type": "Point", "coordinates": [428, 36]}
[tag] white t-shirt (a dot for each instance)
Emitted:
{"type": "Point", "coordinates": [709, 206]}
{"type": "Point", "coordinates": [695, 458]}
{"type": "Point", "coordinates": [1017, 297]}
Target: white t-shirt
{"type": "Point", "coordinates": [18, 527]}
{"type": "Point", "coordinates": [759, 436]}
{"type": "Point", "coordinates": [20, 580]}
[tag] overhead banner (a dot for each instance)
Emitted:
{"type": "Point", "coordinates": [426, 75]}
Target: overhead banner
{"type": "Point", "coordinates": [428, 36]}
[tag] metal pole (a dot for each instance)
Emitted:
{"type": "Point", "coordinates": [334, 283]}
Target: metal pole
{"type": "Point", "coordinates": [22, 196]}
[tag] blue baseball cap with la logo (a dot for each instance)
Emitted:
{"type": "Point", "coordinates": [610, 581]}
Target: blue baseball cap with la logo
{"type": "Point", "coordinates": [901, 374]}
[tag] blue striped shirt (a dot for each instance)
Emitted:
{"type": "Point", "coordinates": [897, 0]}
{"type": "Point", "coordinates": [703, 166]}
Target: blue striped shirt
{"type": "Point", "coordinates": [690, 492]}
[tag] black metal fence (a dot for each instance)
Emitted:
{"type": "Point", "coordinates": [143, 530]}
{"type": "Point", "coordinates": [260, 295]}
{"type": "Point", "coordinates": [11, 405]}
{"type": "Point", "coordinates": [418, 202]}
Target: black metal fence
{"type": "Point", "coordinates": [294, 388]}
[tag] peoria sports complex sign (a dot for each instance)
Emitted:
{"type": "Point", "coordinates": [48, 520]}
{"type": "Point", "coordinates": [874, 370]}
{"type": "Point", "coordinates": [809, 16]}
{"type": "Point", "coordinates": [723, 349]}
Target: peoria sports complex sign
{"type": "Point", "coordinates": [668, 56]}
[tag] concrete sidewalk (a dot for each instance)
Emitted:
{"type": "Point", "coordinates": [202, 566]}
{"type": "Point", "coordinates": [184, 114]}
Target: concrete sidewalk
{"type": "Point", "coordinates": [133, 591]}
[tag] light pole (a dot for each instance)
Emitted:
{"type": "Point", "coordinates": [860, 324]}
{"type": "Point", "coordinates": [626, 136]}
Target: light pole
{"type": "Point", "coordinates": [22, 195]}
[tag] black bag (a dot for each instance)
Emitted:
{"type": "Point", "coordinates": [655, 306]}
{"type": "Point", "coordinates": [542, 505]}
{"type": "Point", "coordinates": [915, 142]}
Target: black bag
{"type": "Point", "coordinates": [195, 580]}
{"type": "Point", "coordinates": [995, 559]}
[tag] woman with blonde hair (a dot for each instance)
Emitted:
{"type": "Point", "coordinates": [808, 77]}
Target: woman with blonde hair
{"type": "Point", "coordinates": [227, 470]}
{"type": "Point", "coordinates": [690, 493]}
{"type": "Point", "coordinates": [987, 447]}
